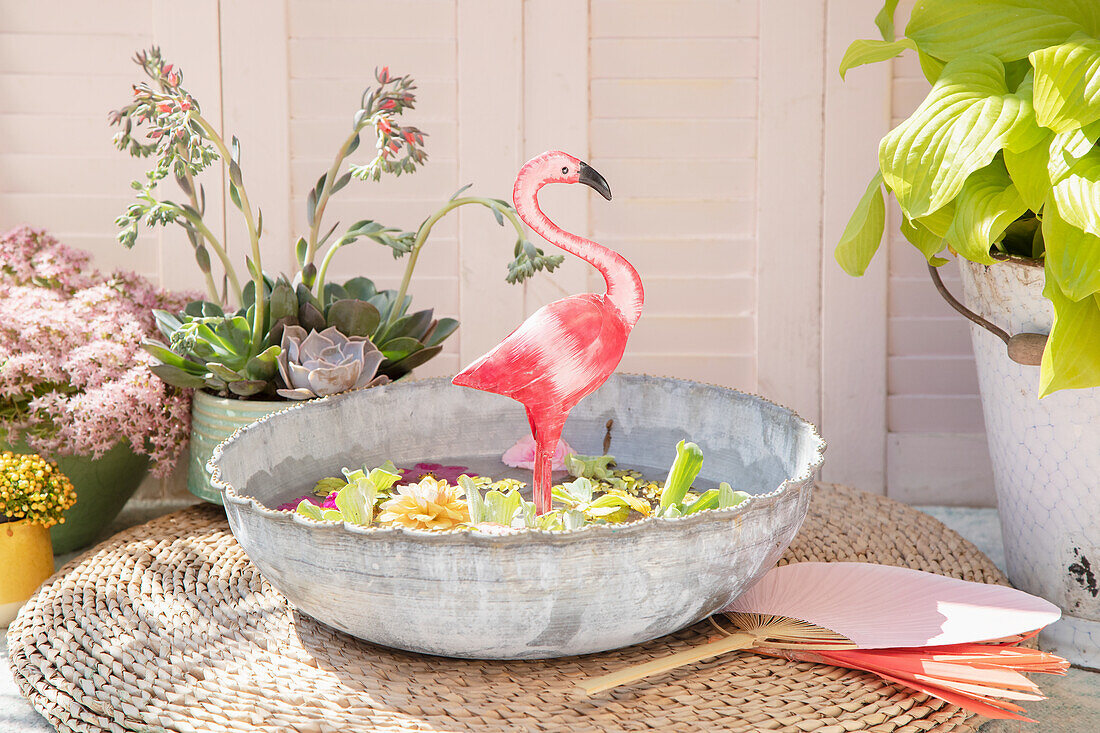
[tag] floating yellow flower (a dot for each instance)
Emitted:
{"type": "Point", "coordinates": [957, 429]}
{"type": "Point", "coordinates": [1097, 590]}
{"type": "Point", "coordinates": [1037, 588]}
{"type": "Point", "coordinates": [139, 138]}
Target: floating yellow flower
{"type": "Point", "coordinates": [430, 504]}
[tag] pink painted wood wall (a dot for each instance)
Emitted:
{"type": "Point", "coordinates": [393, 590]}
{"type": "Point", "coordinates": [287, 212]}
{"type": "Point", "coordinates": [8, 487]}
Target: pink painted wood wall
{"type": "Point", "coordinates": [733, 148]}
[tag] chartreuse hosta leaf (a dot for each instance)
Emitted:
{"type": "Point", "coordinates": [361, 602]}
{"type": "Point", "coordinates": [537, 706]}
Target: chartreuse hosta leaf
{"type": "Point", "coordinates": [928, 233]}
{"type": "Point", "coordinates": [987, 204]}
{"type": "Point", "coordinates": [1078, 193]}
{"type": "Point", "coordinates": [862, 52]}
{"type": "Point", "coordinates": [1072, 356]}
{"type": "Point", "coordinates": [1009, 29]}
{"type": "Point", "coordinates": [1072, 256]}
{"type": "Point", "coordinates": [863, 234]}
{"type": "Point", "coordinates": [968, 116]}
{"type": "Point", "coordinates": [1067, 84]}
{"type": "Point", "coordinates": [929, 243]}
{"type": "Point", "coordinates": [1028, 169]}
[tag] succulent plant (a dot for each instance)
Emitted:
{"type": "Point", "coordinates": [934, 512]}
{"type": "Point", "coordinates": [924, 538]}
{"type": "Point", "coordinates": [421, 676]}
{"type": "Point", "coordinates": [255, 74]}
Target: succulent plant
{"type": "Point", "coordinates": [326, 362]}
{"type": "Point", "coordinates": [207, 348]}
{"type": "Point", "coordinates": [685, 468]}
{"type": "Point", "coordinates": [358, 308]}
{"type": "Point", "coordinates": [611, 506]}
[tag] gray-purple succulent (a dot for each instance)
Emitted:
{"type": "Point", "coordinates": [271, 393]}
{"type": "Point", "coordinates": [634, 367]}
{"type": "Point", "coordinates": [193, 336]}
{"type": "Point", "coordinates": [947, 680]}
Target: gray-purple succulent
{"type": "Point", "coordinates": [326, 362]}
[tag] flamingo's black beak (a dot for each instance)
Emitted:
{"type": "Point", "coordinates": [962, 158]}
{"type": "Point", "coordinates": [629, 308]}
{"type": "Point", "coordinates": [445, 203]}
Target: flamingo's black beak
{"type": "Point", "coordinates": [591, 177]}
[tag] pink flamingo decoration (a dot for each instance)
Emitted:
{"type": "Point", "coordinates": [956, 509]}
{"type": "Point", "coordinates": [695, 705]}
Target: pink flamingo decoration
{"type": "Point", "coordinates": [568, 348]}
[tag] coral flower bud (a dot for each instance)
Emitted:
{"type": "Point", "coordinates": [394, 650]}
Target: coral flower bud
{"type": "Point", "coordinates": [393, 147]}
{"type": "Point", "coordinates": [164, 107]}
{"type": "Point", "coordinates": [185, 105]}
{"type": "Point", "coordinates": [173, 79]}
{"type": "Point", "coordinates": [384, 75]}
{"type": "Point", "coordinates": [388, 104]}
{"type": "Point", "coordinates": [385, 126]}
{"type": "Point", "coordinates": [409, 138]}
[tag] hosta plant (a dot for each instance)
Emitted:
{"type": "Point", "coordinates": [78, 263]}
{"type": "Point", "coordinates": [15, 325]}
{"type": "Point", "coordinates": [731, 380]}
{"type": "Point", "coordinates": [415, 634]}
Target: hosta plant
{"type": "Point", "coordinates": [235, 333]}
{"type": "Point", "coordinates": [1001, 158]}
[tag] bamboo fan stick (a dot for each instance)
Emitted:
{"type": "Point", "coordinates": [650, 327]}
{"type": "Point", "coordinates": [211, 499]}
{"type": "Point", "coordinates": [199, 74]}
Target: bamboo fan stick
{"type": "Point", "coordinates": [733, 642]}
{"type": "Point", "coordinates": [751, 630]}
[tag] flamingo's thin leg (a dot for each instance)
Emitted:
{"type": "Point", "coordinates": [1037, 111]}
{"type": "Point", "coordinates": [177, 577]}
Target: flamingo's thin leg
{"type": "Point", "coordinates": [547, 434]}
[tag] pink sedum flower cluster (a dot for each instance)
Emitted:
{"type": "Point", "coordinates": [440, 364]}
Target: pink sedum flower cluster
{"type": "Point", "coordinates": [74, 379]}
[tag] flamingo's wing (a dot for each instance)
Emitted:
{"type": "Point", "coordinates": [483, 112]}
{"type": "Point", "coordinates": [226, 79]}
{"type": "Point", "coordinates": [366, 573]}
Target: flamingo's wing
{"type": "Point", "coordinates": [562, 352]}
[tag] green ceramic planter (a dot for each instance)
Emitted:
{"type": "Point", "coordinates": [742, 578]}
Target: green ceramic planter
{"type": "Point", "coordinates": [103, 486]}
{"type": "Point", "coordinates": [213, 419]}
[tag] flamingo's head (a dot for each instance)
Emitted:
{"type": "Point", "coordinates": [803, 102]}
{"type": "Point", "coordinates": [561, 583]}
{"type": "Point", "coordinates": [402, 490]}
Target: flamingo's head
{"type": "Point", "coordinates": [555, 166]}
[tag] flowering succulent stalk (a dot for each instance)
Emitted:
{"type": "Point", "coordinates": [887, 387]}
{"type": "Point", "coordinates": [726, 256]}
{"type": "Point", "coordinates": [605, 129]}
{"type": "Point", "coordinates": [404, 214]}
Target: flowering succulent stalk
{"type": "Point", "coordinates": [184, 144]}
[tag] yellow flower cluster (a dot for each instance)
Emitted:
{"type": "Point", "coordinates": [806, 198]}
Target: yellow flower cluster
{"type": "Point", "coordinates": [33, 488]}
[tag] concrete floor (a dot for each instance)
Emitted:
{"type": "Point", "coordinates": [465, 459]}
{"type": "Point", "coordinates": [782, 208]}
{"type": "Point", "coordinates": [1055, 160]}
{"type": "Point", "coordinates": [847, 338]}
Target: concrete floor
{"type": "Point", "coordinates": [1073, 705]}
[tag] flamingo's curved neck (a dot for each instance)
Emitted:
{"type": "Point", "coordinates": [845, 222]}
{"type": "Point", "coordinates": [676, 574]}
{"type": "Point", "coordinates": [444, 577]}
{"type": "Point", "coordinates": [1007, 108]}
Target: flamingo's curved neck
{"type": "Point", "coordinates": [624, 286]}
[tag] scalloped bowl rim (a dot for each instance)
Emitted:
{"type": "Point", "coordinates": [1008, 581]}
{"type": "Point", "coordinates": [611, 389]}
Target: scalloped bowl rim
{"type": "Point", "coordinates": [475, 536]}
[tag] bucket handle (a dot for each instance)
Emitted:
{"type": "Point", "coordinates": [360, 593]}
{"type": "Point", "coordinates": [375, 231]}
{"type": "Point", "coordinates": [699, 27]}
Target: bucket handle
{"type": "Point", "coordinates": [1023, 348]}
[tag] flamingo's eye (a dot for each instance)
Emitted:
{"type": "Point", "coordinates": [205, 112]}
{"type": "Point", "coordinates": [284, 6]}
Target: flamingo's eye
{"type": "Point", "coordinates": [565, 170]}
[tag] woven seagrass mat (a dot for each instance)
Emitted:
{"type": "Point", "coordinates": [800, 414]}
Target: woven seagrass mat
{"type": "Point", "coordinates": [168, 626]}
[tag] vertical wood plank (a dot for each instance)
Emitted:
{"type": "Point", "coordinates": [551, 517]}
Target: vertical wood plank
{"type": "Point", "coordinates": [556, 118]}
{"type": "Point", "coordinates": [789, 167]}
{"type": "Point", "coordinates": [490, 143]}
{"type": "Point", "coordinates": [188, 36]}
{"type": "Point", "coordinates": [255, 93]}
{"type": "Point", "coordinates": [854, 311]}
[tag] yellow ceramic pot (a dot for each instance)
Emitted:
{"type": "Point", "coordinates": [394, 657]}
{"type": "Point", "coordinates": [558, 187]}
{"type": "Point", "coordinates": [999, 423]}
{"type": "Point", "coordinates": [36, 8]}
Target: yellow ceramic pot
{"type": "Point", "coordinates": [26, 560]}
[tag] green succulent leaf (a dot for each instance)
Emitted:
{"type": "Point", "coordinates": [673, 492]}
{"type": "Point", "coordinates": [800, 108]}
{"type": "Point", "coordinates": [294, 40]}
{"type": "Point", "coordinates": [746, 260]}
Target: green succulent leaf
{"type": "Point", "coordinates": [1009, 29]}
{"type": "Point", "coordinates": [397, 349]}
{"type": "Point", "coordinates": [264, 365]}
{"type": "Point", "coordinates": [300, 249]}
{"type": "Point", "coordinates": [987, 204]}
{"type": "Point", "coordinates": [474, 502]}
{"type": "Point", "coordinates": [178, 377]}
{"type": "Point", "coordinates": [862, 52]}
{"type": "Point", "coordinates": [439, 331]}
{"type": "Point", "coordinates": [863, 234]}
{"type": "Point", "coordinates": [354, 317]}
{"type": "Point", "coordinates": [967, 118]}
{"type": "Point", "coordinates": [360, 288]}
{"type": "Point", "coordinates": [170, 358]}
{"type": "Point", "coordinates": [223, 372]}
{"type": "Point", "coordinates": [410, 362]}
{"type": "Point", "coordinates": [1072, 257]}
{"type": "Point", "coordinates": [1072, 356]}
{"type": "Point", "coordinates": [1067, 84]}
{"type": "Point", "coordinates": [414, 326]}
{"type": "Point", "coordinates": [283, 302]}
{"type": "Point", "coordinates": [593, 467]}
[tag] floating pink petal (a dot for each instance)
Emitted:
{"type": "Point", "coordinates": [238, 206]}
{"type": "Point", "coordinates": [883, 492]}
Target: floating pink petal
{"type": "Point", "coordinates": [522, 454]}
{"type": "Point", "coordinates": [449, 474]}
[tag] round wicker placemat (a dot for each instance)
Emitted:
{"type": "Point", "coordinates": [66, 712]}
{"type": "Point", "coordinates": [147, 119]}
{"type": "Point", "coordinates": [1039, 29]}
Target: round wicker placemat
{"type": "Point", "coordinates": [168, 626]}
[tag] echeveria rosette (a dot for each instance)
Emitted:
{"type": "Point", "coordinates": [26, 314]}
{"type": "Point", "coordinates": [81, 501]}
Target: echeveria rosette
{"type": "Point", "coordinates": [326, 362]}
{"type": "Point", "coordinates": [1000, 158]}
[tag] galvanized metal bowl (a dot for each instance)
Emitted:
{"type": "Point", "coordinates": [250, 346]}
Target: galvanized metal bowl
{"type": "Point", "coordinates": [527, 594]}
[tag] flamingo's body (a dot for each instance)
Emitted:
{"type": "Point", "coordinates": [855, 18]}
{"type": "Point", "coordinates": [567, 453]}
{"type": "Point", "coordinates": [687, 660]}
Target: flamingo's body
{"type": "Point", "coordinates": [567, 348]}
